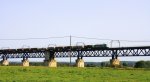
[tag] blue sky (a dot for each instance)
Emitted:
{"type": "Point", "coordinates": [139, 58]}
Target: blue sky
{"type": "Point", "coordinates": [111, 19]}
{"type": "Point", "coordinates": [114, 19]}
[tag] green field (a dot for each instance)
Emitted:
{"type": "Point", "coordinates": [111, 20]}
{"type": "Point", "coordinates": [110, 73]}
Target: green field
{"type": "Point", "coordinates": [72, 74]}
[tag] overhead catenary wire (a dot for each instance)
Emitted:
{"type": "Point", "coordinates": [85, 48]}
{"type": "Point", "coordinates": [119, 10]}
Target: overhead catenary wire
{"type": "Point", "coordinates": [75, 37]}
{"type": "Point", "coordinates": [90, 38]}
{"type": "Point", "coordinates": [34, 38]}
{"type": "Point", "coordinates": [112, 39]}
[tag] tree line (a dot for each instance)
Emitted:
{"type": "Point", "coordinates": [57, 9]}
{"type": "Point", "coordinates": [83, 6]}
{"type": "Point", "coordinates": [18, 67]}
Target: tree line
{"type": "Point", "coordinates": [138, 64]}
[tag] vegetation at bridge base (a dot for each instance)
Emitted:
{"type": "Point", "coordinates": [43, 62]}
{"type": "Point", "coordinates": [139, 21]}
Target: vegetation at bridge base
{"type": "Point", "coordinates": [142, 64]}
{"type": "Point", "coordinates": [124, 64]}
{"type": "Point", "coordinates": [72, 74]}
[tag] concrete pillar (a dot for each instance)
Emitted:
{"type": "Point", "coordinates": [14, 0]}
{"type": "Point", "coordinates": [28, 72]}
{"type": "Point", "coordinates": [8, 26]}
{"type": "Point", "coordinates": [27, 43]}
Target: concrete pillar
{"type": "Point", "coordinates": [25, 62]}
{"type": "Point", "coordinates": [5, 62]}
{"type": "Point", "coordinates": [114, 62]}
{"type": "Point", "coordinates": [52, 63]}
{"type": "Point", "coordinates": [79, 63]}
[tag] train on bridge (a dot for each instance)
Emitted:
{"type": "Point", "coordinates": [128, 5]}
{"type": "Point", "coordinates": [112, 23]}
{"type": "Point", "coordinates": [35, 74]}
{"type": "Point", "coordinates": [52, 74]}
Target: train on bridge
{"type": "Point", "coordinates": [49, 53]}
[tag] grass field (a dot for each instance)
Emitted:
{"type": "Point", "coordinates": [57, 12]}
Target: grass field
{"type": "Point", "coordinates": [72, 74]}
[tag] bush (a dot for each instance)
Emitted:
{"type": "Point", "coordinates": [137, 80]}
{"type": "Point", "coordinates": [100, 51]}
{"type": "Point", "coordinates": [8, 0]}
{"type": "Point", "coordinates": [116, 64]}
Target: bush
{"type": "Point", "coordinates": [105, 64]}
{"type": "Point", "coordinates": [142, 64]}
{"type": "Point", "coordinates": [91, 65]}
{"type": "Point", "coordinates": [124, 64]}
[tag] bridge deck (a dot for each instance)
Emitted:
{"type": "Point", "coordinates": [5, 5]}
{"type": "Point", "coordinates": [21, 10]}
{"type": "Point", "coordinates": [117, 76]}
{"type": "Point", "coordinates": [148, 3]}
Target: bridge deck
{"type": "Point", "coordinates": [75, 51]}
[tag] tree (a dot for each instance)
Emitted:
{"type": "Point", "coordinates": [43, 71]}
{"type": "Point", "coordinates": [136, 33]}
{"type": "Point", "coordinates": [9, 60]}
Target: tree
{"type": "Point", "coordinates": [125, 64]}
{"type": "Point", "coordinates": [140, 64]}
{"type": "Point", "coordinates": [147, 64]}
{"type": "Point", "coordinates": [103, 64]}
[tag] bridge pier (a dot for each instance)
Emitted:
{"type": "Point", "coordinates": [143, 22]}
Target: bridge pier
{"type": "Point", "coordinates": [25, 61]}
{"type": "Point", "coordinates": [80, 62]}
{"type": "Point", "coordinates": [50, 59]}
{"type": "Point", "coordinates": [114, 62]}
{"type": "Point", "coordinates": [5, 62]}
{"type": "Point", "coordinates": [52, 63]}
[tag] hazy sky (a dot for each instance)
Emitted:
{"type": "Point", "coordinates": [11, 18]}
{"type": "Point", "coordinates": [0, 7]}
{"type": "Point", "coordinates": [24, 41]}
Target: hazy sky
{"type": "Point", "coordinates": [112, 19]}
